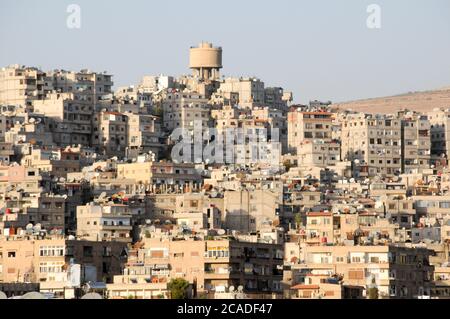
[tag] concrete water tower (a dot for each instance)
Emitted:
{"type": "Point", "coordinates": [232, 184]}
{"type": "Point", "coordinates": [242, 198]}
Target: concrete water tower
{"type": "Point", "coordinates": [205, 61]}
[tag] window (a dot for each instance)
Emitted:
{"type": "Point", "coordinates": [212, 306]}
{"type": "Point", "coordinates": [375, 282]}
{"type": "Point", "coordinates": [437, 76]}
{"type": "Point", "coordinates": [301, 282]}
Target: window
{"type": "Point", "coordinates": [51, 251]}
{"type": "Point", "coordinates": [87, 251]}
{"type": "Point", "coordinates": [356, 259]}
{"type": "Point", "coordinates": [11, 254]}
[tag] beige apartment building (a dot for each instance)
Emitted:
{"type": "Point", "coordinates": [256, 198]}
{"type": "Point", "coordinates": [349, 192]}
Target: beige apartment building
{"type": "Point", "coordinates": [318, 154]}
{"type": "Point", "coordinates": [308, 126]}
{"type": "Point", "coordinates": [250, 91]}
{"type": "Point", "coordinates": [275, 119]}
{"type": "Point", "coordinates": [432, 207]}
{"type": "Point", "coordinates": [21, 85]}
{"type": "Point", "coordinates": [110, 133]}
{"type": "Point", "coordinates": [440, 132]}
{"type": "Point", "coordinates": [104, 222]}
{"type": "Point", "coordinates": [182, 109]}
{"type": "Point", "coordinates": [249, 210]}
{"type": "Point", "coordinates": [46, 260]}
{"type": "Point", "coordinates": [159, 173]}
{"type": "Point", "coordinates": [399, 272]}
{"type": "Point", "coordinates": [72, 114]}
{"type": "Point", "coordinates": [227, 113]}
{"type": "Point", "coordinates": [416, 144]}
{"type": "Point", "coordinates": [35, 130]}
{"type": "Point", "coordinates": [56, 162]}
{"type": "Point", "coordinates": [92, 87]}
{"type": "Point", "coordinates": [372, 143]}
{"type": "Point", "coordinates": [211, 266]}
{"type": "Point", "coordinates": [22, 209]}
{"type": "Point", "coordinates": [143, 133]}
{"type": "Point", "coordinates": [135, 98]}
{"type": "Point", "coordinates": [277, 98]}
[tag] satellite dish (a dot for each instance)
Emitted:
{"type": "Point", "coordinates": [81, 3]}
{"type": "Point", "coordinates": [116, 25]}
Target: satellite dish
{"type": "Point", "coordinates": [33, 295]}
{"type": "Point", "coordinates": [71, 237]}
{"type": "Point", "coordinates": [92, 295]}
{"type": "Point", "coordinates": [231, 289]}
{"type": "Point", "coordinates": [240, 288]}
{"type": "Point", "coordinates": [213, 194]}
{"type": "Point", "coordinates": [356, 161]}
{"type": "Point", "coordinates": [29, 227]}
{"type": "Point", "coordinates": [221, 232]}
{"type": "Point", "coordinates": [37, 227]}
{"type": "Point", "coordinates": [352, 180]}
{"type": "Point", "coordinates": [3, 295]}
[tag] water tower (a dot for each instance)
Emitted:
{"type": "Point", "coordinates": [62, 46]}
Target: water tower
{"type": "Point", "coordinates": [205, 61]}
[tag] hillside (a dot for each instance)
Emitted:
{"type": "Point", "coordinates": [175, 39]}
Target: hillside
{"type": "Point", "coordinates": [417, 101]}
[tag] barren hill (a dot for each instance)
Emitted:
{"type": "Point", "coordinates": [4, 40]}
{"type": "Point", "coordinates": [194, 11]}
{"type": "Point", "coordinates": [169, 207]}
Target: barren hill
{"type": "Point", "coordinates": [417, 101]}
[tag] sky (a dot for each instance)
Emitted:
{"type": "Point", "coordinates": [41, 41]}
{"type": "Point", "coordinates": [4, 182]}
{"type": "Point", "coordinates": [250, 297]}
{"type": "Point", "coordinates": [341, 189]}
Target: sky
{"type": "Point", "coordinates": [319, 49]}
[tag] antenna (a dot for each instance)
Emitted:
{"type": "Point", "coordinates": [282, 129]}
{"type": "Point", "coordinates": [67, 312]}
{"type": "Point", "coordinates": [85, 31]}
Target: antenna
{"type": "Point", "coordinates": [92, 295]}
{"type": "Point", "coordinates": [33, 295]}
{"type": "Point", "coordinates": [37, 227]}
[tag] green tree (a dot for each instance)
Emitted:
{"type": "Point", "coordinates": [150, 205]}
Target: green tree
{"type": "Point", "coordinates": [178, 288]}
{"type": "Point", "coordinates": [298, 220]}
{"type": "Point", "coordinates": [373, 290]}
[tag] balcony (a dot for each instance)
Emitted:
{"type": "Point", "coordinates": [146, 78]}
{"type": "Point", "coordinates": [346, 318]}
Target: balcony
{"type": "Point", "coordinates": [219, 273]}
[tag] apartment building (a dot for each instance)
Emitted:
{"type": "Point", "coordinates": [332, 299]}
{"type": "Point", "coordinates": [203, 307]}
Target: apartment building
{"type": "Point", "coordinates": [150, 83]}
{"type": "Point", "coordinates": [72, 114]}
{"type": "Point", "coordinates": [182, 109]}
{"type": "Point", "coordinates": [277, 98]}
{"type": "Point", "coordinates": [210, 266]}
{"type": "Point", "coordinates": [22, 209]}
{"type": "Point", "coordinates": [56, 162]}
{"type": "Point", "coordinates": [373, 144]}
{"type": "Point", "coordinates": [144, 132]}
{"type": "Point", "coordinates": [276, 120]}
{"type": "Point", "coordinates": [159, 173]}
{"type": "Point", "coordinates": [432, 207]}
{"type": "Point", "coordinates": [46, 260]}
{"type": "Point", "coordinates": [440, 132]}
{"type": "Point", "coordinates": [250, 90]}
{"type": "Point", "coordinates": [35, 129]}
{"type": "Point", "coordinates": [398, 271]}
{"type": "Point", "coordinates": [92, 87]}
{"type": "Point", "coordinates": [325, 287]}
{"type": "Point", "coordinates": [130, 96]}
{"type": "Point", "coordinates": [318, 154]}
{"type": "Point", "coordinates": [104, 222]}
{"type": "Point", "coordinates": [110, 133]}
{"type": "Point", "coordinates": [308, 126]}
{"type": "Point", "coordinates": [250, 209]}
{"type": "Point", "coordinates": [416, 144]}
{"type": "Point", "coordinates": [21, 85]}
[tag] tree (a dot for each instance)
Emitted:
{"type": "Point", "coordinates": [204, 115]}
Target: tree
{"type": "Point", "coordinates": [178, 288]}
{"type": "Point", "coordinates": [373, 290]}
{"type": "Point", "coordinates": [298, 220]}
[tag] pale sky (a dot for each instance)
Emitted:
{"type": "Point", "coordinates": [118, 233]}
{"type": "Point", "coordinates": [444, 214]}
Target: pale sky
{"type": "Point", "coordinates": [319, 49]}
